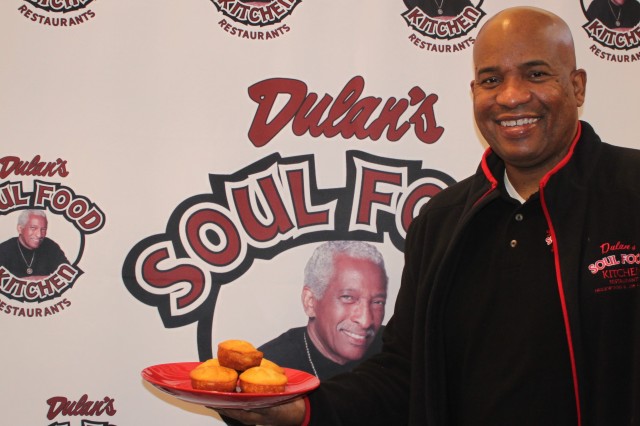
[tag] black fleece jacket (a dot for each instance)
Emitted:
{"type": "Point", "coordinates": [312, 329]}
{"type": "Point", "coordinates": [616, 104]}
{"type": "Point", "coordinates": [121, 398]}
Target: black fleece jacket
{"type": "Point", "coordinates": [592, 204]}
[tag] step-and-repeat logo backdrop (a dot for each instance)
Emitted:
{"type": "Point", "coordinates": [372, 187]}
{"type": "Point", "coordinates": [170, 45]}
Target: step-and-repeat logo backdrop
{"type": "Point", "coordinates": [169, 171]}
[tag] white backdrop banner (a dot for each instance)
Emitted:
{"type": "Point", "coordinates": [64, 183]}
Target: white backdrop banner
{"type": "Point", "coordinates": [190, 156]}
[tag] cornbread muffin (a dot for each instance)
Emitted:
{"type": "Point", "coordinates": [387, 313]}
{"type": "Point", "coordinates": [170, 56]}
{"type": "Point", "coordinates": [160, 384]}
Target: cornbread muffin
{"type": "Point", "coordinates": [262, 380]}
{"type": "Point", "coordinates": [210, 363]}
{"type": "Point", "coordinates": [272, 365]}
{"type": "Point", "coordinates": [238, 354]}
{"type": "Point", "coordinates": [214, 378]}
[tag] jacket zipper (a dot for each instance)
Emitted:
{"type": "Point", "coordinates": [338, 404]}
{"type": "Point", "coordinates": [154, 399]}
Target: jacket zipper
{"type": "Point", "coordinates": [556, 257]}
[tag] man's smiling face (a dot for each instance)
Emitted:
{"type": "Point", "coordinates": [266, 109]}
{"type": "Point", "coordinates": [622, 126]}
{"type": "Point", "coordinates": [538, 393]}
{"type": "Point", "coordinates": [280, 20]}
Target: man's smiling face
{"type": "Point", "coordinates": [345, 320]}
{"type": "Point", "coordinates": [33, 232]}
{"type": "Point", "coordinates": [526, 91]}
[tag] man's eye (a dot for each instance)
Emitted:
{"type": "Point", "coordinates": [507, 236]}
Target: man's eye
{"type": "Point", "coordinates": [538, 74]}
{"type": "Point", "coordinates": [489, 81]}
{"type": "Point", "coordinates": [347, 299]}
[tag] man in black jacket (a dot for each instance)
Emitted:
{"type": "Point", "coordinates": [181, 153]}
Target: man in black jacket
{"type": "Point", "coordinates": [520, 296]}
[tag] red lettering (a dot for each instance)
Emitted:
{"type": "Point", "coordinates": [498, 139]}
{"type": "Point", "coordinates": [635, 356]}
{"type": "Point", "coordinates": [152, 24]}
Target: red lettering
{"type": "Point", "coordinates": [371, 195]}
{"type": "Point", "coordinates": [444, 29]}
{"type": "Point", "coordinates": [35, 167]}
{"type": "Point", "coordinates": [265, 94]}
{"type": "Point", "coordinates": [627, 39]}
{"type": "Point", "coordinates": [299, 194]}
{"type": "Point", "coordinates": [221, 253]}
{"type": "Point", "coordinates": [607, 247]}
{"type": "Point", "coordinates": [269, 203]}
{"type": "Point", "coordinates": [177, 277]}
{"type": "Point", "coordinates": [424, 120]}
{"type": "Point", "coordinates": [86, 216]}
{"type": "Point", "coordinates": [11, 197]}
{"type": "Point", "coordinates": [59, 405]}
{"type": "Point", "coordinates": [55, 284]}
{"type": "Point", "coordinates": [348, 115]}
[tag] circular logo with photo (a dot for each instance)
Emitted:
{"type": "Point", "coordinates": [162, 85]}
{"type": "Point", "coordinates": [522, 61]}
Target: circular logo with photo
{"type": "Point", "coordinates": [443, 19]}
{"type": "Point", "coordinates": [615, 26]}
{"type": "Point", "coordinates": [255, 14]}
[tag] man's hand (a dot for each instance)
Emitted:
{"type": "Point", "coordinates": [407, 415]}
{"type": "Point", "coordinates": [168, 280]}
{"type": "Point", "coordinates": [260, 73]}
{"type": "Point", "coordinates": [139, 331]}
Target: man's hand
{"type": "Point", "coordinates": [287, 414]}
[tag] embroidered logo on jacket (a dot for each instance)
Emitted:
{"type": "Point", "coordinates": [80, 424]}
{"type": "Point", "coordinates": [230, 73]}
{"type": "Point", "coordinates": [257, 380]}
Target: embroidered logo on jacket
{"type": "Point", "coordinates": [618, 267]}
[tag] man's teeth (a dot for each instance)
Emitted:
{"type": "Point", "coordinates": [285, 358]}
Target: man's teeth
{"type": "Point", "coordinates": [518, 122]}
{"type": "Point", "coordinates": [355, 336]}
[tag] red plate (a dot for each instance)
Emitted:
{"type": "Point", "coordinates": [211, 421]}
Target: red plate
{"type": "Point", "coordinates": [174, 379]}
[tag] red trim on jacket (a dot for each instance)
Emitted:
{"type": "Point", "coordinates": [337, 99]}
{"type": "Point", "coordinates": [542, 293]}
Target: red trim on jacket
{"type": "Point", "coordinates": [487, 173]}
{"type": "Point", "coordinates": [565, 313]}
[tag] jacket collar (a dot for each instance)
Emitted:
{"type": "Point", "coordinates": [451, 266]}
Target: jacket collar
{"type": "Point", "coordinates": [492, 166]}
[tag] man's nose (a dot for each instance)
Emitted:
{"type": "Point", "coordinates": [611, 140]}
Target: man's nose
{"type": "Point", "coordinates": [513, 92]}
{"type": "Point", "coordinates": [362, 314]}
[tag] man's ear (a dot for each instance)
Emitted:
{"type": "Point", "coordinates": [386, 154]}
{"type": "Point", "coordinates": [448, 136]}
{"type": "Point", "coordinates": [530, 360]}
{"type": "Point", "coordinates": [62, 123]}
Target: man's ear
{"type": "Point", "coordinates": [308, 302]}
{"type": "Point", "coordinates": [579, 81]}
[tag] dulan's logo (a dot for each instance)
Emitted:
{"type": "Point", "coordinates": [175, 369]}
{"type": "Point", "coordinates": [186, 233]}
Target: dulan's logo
{"type": "Point", "coordinates": [444, 26]}
{"type": "Point", "coordinates": [614, 26]}
{"type": "Point", "coordinates": [348, 114]}
{"type": "Point", "coordinates": [617, 267]}
{"type": "Point", "coordinates": [260, 20]}
{"type": "Point", "coordinates": [60, 406]}
{"type": "Point", "coordinates": [35, 277]}
{"type": "Point", "coordinates": [276, 204]}
{"type": "Point", "coordinates": [261, 211]}
{"type": "Point", "coordinates": [57, 13]}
